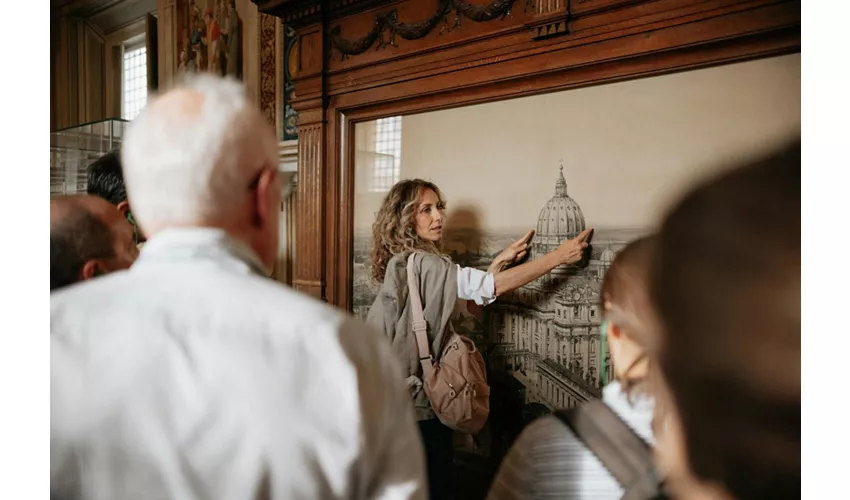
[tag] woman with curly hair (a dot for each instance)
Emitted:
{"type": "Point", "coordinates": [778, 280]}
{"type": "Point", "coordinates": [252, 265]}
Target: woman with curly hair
{"type": "Point", "coordinates": [410, 220]}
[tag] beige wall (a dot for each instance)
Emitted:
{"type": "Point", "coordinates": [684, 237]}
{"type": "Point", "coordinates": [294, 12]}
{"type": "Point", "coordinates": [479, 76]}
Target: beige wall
{"type": "Point", "coordinates": [629, 149]}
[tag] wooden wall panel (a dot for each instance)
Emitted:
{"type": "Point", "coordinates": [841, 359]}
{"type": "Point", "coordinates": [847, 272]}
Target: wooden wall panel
{"type": "Point", "coordinates": [78, 73]}
{"type": "Point", "coordinates": [93, 83]}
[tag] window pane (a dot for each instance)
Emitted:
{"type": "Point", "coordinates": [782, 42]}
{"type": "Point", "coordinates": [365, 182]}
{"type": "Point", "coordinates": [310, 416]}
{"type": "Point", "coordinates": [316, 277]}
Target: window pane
{"type": "Point", "coordinates": [134, 88]}
{"type": "Point", "coordinates": [387, 145]}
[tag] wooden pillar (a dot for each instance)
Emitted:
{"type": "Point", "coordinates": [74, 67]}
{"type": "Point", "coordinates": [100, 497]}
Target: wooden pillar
{"type": "Point", "coordinates": [306, 65]}
{"type": "Point", "coordinates": [166, 41]}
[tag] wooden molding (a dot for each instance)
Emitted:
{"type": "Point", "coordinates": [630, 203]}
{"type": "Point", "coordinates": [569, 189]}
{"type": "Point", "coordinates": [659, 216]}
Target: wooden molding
{"type": "Point", "coordinates": [584, 7]}
{"type": "Point", "coordinates": [126, 32]}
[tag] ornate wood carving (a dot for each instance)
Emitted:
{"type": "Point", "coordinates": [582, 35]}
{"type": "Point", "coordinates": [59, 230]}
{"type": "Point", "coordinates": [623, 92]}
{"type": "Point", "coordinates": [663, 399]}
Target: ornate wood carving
{"type": "Point", "coordinates": [387, 26]}
{"type": "Point", "coordinates": [552, 18]}
{"type": "Point", "coordinates": [268, 67]}
{"type": "Point", "coordinates": [290, 116]}
{"type": "Point", "coordinates": [549, 29]}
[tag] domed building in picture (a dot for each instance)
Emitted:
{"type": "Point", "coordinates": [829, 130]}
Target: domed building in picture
{"type": "Point", "coordinates": [560, 219]}
{"type": "Point", "coordinates": [546, 334]}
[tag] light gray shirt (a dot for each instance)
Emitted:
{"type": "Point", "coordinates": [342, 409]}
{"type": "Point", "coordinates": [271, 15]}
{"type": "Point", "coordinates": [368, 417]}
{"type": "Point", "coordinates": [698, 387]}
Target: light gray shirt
{"type": "Point", "coordinates": [549, 462]}
{"type": "Point", "coordinates": [192, 376]}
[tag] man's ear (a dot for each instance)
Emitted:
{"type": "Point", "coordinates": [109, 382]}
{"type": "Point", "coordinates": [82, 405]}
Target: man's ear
{"type": "Point", "coordinates": [91, 269]}
{"type": "Point", "coordinates": [265, 186]}
{"type": "Point", "coordinates": [124, 207]}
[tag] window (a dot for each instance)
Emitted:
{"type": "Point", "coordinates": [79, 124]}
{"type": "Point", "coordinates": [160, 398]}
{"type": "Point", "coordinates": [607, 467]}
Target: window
{"type": "Point", "coordinates": [575, 311]}
{"type": "Point", "coordinates": [134, 81]}
{"type": "Point", "coordinates": [593, 313]}
{"type": "Point", "coordinates": [387, 142]}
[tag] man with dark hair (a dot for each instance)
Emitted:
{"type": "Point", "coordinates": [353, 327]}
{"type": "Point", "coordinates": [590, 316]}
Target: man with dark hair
{"type": "Point", "coordinates": [88, 237]}
{"type": "Point", "coordinates": [106, 180]}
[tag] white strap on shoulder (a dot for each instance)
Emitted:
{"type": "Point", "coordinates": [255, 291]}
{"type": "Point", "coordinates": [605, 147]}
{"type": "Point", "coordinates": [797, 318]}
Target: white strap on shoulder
{"type": "Point", "coordinates": [420, 326]}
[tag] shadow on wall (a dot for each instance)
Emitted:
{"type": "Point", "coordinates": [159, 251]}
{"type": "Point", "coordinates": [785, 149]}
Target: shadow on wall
{"type": "Point", "coordinates": [463, 227]}
{"type": "Point", "coordinates": [464, 239]}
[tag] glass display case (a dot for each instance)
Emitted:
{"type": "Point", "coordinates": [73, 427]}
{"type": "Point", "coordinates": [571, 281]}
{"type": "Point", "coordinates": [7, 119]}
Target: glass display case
{"type": "Point", "coordinates": [75, 148]}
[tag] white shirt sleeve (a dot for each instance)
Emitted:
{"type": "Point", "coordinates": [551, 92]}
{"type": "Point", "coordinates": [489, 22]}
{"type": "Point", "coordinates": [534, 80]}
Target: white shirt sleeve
{"type": "Point", "coordinates": [475, 284]}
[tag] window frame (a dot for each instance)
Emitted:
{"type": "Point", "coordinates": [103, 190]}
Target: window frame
{"type": "Point", "coordinates": [132, 45]}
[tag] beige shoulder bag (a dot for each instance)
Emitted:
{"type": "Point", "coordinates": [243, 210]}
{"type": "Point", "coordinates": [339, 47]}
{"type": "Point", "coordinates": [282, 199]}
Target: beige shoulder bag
{"type": "Point", "coordinates": [456, 384]}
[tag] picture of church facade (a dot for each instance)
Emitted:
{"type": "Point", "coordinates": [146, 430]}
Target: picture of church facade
{"type": "Point", "coordinates": [545, 336]}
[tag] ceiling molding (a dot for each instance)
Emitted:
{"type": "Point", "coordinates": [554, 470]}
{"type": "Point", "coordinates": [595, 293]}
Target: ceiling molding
{"type": "Point", "coordinates": [108, 16]}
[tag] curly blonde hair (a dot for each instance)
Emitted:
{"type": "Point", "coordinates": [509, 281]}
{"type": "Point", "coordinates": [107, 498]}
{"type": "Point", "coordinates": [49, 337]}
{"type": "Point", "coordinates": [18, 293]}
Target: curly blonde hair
{"type": "Point", "coordinates": [394, 230]}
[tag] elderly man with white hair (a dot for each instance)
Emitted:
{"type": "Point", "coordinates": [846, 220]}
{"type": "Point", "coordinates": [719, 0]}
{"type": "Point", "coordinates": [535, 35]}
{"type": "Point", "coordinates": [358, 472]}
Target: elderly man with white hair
{"type": "Point", "coordinates": [192, 375]}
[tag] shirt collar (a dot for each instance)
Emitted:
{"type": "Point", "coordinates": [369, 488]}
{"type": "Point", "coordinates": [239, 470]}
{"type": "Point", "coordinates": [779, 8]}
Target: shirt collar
{"type": "Point", "coordinates": [636, 411]}
{"type": "Point", "coordinates": [200, 243]}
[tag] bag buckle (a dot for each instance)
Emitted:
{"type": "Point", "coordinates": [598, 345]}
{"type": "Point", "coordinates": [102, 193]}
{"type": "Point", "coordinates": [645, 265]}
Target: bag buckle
{"type": "Point", "coordinates": [420, 326]}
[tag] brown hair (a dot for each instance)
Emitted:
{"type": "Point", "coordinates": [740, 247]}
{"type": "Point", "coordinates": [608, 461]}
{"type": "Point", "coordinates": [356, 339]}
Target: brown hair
{"type": "Point", "coordinates": [394, 229]}
{"type": "Point", "coordinates": [625, 296]}
{"type": "Point", "coordinates": [727, 286]}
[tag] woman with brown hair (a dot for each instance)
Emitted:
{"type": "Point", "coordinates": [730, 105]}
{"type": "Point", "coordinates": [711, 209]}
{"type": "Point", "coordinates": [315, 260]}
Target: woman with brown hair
{"type": "Point", "coordinates": [410, 220]}
{"type": "Point", "coordinates": [549, 460]}
{"type": "Point", "coordinates": [727, 287]}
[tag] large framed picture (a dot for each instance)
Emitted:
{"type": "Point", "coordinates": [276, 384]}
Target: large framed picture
{"type": "Point", "coordinates": [612, 157]}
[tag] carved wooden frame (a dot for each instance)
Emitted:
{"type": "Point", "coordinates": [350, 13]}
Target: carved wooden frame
{"type": "Point", "coordinates": [557, 45]}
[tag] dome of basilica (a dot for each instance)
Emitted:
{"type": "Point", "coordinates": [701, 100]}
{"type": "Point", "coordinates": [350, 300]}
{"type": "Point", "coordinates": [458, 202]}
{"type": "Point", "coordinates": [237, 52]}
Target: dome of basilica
{"type": "Point", "coordinates": [560, 219]}
{"type": "Point", "coordinates": [607, 255]}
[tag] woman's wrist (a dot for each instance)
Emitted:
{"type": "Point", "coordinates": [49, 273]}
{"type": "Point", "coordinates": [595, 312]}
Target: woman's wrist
{"type": "Point", "coordinates": [555, 258]}
{"type": "Point", "coordinates": [499, 264]}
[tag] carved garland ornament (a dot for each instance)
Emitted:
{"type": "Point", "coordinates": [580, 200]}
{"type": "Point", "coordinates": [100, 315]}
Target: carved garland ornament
{"type": "Point", "coordinates": [387, 27]}
{"type": "Point", "coordinates": [267, 66]}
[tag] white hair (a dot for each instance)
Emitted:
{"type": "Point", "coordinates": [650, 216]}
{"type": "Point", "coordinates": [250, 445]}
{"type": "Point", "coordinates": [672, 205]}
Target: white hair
{"type": "Point", "coordinates": [191, 158]}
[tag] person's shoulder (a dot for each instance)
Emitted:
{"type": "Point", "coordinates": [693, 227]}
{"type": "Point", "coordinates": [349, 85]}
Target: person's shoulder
{"type": "Point", "coordinates": [296, 307]}
{"type": "Point", "coordinates": [75, 307]}
{"type": "Point", "coordinates": [431, 263]}
{"type": "Point", "coordinates": [86, 294]}
{"type": "Point", "coordinates": [276, 299]}
{"type": "Point", "coordinates": [548, 436]}
{"type": "Point", "coordinates": [548, 428]}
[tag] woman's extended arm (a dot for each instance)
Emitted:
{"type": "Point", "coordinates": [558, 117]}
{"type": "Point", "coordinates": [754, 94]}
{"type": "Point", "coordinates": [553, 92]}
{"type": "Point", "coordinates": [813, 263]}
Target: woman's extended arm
{"type": "Point", "coordinates": [515, 252]}
{"type": "Point", "coordinates": [569, 252]}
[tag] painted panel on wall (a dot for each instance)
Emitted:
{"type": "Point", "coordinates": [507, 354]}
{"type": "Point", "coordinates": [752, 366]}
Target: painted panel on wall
{"type": "Point", "coordinates": [290, 116]}
{"type": "Point", "coordinates": [209, 37]}
{"type": "Point", "coordinates": [611, 157]}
